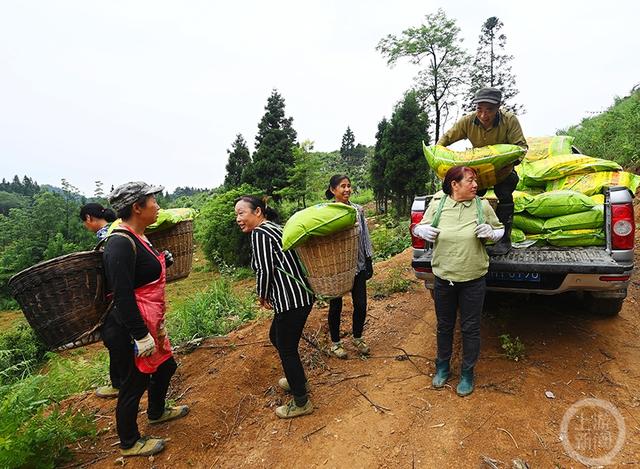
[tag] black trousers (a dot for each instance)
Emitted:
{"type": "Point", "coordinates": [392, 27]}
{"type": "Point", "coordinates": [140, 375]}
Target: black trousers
{"type": "Point", "coordinates": [133, 383]}
{"type": "Point", "coordinates": [469, 298]}
{"type": "Point", "coordinates": [504, 190]}
{"type": "Point", "coordinates": [359, 297]}
{"type": "Point", "coordinates": [285, 333]}
{"type": "Point", "coordinates": [114, 376]}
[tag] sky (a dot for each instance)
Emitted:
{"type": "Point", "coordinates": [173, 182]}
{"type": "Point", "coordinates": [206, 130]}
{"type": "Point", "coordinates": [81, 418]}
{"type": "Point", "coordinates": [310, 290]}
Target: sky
{"type": "Point", "coordinates": [157, 90]}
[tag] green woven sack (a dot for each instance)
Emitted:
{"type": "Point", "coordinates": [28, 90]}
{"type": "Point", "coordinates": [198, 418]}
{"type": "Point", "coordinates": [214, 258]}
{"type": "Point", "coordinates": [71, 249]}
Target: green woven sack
{"type": "Point", "coordinates": [487, 161]}
{"type": "Point", "coordinates": [517, 235]}
{"type": "Point", "coordinates": [528, 223]}
{"type": "Point", "coordinates": [590, 219]}
{"type": "Point", "coordinates": [556, 167]}
{"type": "Point", "coordinates": [318, 220]}
{"type": "Point", "coordinates": [556, 203]}
{"type": "Point", "coordinates": [593, 183]}
{"type": "Point", "coordinates": [570, 238]}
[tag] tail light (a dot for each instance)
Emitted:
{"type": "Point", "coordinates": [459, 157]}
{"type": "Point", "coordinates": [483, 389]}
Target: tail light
{"type": "Point", "coordinates": [417, 243]}
{"type": "Point", "coordinates": [623, 226]}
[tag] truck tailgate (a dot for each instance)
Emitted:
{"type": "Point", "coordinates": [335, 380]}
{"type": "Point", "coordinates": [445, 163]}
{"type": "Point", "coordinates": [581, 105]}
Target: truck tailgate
{"type": "Point", "coordinates": [579, 260]}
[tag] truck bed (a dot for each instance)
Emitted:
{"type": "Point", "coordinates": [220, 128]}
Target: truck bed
{"type": "Point", "coordinates": [585, 260]}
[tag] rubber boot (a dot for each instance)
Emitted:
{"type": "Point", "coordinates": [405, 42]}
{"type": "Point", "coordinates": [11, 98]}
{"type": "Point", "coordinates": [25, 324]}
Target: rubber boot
{"type": "Point", "coordinates": [442, 374]}
{"type": "Point", "coordinates": [465, 386]}
{"type": "Point", "coordinates": [505, 215]}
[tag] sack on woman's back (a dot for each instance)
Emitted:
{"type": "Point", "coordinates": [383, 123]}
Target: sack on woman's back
{"type": "Point", "coordinates": [318, 220]}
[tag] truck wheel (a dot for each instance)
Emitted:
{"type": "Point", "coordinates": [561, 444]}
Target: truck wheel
{"type": "Point", "coordinates": [604, 306]}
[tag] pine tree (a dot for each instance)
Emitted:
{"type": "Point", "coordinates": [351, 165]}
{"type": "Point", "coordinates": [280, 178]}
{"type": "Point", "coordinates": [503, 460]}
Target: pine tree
{"type": "Point", "coordinates": [348, 145]}
{"type": "Point", "coordinates": [406, 171]}
{"type": "Point", "coordinates": [239, 159]}
{"type": "Point", "coordinates": [492, 66]}
{"type": "Point", "coordinates": [98, 192]}
{"type": "Point", "coordinates": [377, 168]}
{"type": "Point", "coordinates": [274, 148]}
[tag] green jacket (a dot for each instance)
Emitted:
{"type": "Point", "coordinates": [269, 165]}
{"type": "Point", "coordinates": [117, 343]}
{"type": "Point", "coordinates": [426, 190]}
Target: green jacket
{"type": "Point", "coordinates": [505, 129]}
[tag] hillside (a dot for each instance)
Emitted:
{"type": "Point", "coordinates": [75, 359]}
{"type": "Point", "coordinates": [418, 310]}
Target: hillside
{"type": "Point", "coordinates": [381, 411]}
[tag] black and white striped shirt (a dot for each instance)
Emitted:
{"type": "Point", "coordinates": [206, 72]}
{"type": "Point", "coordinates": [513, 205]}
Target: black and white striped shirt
{"type": "Point", "coordinates": [270, 263]}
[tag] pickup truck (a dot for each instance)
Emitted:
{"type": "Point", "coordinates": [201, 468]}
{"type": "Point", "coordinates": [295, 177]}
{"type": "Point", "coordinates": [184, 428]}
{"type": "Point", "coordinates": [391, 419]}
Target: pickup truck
{"type": "Point", "coordinates": [600, 274]}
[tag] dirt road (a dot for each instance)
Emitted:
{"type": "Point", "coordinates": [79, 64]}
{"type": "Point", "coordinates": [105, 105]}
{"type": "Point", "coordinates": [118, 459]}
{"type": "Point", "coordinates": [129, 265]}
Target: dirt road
{"type": "Point", "coordinates": [382, 412]}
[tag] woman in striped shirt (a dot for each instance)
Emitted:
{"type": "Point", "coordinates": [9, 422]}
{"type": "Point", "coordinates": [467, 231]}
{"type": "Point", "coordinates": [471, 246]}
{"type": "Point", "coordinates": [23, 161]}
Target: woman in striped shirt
{"type": "Point", "coordinates": [340, 189]}
{"type": "Point", "coordinates": [281, 286]}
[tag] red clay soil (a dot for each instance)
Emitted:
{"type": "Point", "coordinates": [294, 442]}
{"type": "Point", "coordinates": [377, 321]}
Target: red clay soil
{"type": "Point", "coordinates": [381, 411]}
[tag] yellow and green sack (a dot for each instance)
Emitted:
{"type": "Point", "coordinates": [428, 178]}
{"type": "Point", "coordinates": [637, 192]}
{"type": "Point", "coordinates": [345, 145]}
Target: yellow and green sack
{"type": "Point", "coordinates": [570, 238]}
{"type": "Point", "coordinates": [318, 220]}
{"type": "Point", "coordinates": [487, 161]}
{"type": "Point", "coordinates": [520, 200]}
{"type": "Point", "coordinates": [548, 169]}
{"type": "Point", "coordinates": [556, 203]}
{"type": "Point", "coordinates": [170, 217]}
{"type": "Point", "coordinates": [528, 223]}
{"type": "Point", "coordinates": [591, 184]}
{"type": "Point", "coordinates": [589, 219]}
{"type": "Point", "coordinates": [543, 147]}
{"type": "Point", "coordinates": [598, 198]}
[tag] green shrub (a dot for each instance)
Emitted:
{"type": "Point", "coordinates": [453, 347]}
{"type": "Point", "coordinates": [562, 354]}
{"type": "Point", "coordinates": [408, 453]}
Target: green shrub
{"type": "Point", "coordinates": [513, 348]}
{"type": "Point", "coordinates": [34, 430]}
{"type": "Point", "coordinates": [20, 353]}
{"type": "Point", "coordinates": [215, 311]}
{"type": "Point", "coordinates": [217, 231]}
{"type": "Point", "coordinates": [363, 197]}
{"type": "Point", "coordinates": [390, 237]}
{"type": "Point", "coordinates": [394, 283]}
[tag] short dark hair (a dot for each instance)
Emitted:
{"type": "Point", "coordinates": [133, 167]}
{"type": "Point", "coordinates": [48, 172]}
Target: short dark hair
{"type": "Point", "coordinates": [261, 203]}
{"type": "Point", "coordinates": [126, 212]}
{"type": "Point", "coordinates": [334, 182]}
{"type": "Point", "coordinates": [455, 173]}
{"type": "Point", "coordinates": [97, 211]}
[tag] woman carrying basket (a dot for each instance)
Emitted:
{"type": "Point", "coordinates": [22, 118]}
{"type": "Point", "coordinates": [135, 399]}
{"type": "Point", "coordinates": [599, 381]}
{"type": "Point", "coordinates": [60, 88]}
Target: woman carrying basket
{"type": "Point", "coordinates": [340, 189]}
{"type": "Point", "coordinates": [134, 328]}
{"type": "Point", "coordinates": [98, 219]}
{"type": "Point", "coordinates": [459, 223]}
{"type": "Point", "coordinates": [281, 286]}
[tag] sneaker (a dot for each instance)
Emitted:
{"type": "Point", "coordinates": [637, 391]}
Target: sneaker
{"type": "Point", "coordinates": [107, 392]}
{"type": "Point", "coordinates": [361, 345]}
{"type": "Point", "coordinates": [337, 350]}
{"type": "Point", "coordinates": [171, 413]}
{"type": "Point", "coordinates": [291, 410]}
{"type": "Point", "coordinates": [284, 384]}
{"type": "Point", "coordinates": [144, 447]}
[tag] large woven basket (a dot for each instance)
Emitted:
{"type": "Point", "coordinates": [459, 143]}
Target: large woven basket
{"type": "Point", "coordinates": [331, 262]}
{"type": "Point", "coordinates": [63, 299]}
{"type": "Point", "coordinates": [179, 241]}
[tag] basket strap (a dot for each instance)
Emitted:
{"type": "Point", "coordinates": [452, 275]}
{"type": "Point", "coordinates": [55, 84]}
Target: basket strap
{"type": "Point", "coordinates": [302, 284]}
{"type": "Point", "coordinates": [117, 232]}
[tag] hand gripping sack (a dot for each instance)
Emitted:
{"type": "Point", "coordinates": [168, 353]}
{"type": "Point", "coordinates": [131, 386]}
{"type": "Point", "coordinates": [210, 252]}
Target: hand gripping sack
{"type": "Point", "coordinates": [492, 163]}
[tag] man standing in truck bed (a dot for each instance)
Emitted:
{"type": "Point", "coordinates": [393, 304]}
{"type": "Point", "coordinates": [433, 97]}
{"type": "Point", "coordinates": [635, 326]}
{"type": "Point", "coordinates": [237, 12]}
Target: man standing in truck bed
{"type": "Point", "coordinates": [489, 125]}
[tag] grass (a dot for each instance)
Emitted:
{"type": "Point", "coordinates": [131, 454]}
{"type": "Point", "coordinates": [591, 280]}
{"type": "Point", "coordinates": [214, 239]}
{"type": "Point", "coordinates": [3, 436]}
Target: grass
{"type": "Point", "coordinates": [389, 237]}
{"type": "Point", "coordinates": [395, 282]}
{"type": "Point", "coordinates": [215, 311]}
{"type": "Point", "coordinates": [513, 348]}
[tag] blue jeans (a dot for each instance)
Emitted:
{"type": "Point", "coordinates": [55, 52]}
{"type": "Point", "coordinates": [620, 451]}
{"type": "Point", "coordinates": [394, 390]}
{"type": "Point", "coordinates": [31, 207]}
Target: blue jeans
{"type": "Point", "coordinates": [469, 298]}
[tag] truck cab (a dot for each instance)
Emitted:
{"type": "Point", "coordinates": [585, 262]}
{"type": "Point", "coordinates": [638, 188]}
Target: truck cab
{"type": "Point", "coordinates": [601, 274]}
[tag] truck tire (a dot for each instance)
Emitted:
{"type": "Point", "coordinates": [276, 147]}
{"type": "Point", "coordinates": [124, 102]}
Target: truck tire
{"type": "Point", "coordinates": [604, 306]}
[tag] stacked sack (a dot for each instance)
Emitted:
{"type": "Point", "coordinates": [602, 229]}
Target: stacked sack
{"type": "Point", "coordinates": [559, 198]}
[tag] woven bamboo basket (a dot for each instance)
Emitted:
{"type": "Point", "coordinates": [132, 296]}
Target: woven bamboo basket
{"type": "Point", "coordinates": [331, 262]}
{"type": "Point", "coordinates": [63, 299]}
{"type": "Point", "coordinates": [179, 241]}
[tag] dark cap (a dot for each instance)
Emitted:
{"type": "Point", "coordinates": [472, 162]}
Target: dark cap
{"type": "Point", "coordinates": [488, 95]}
{"type": "Point", "coordinates": [126, 194]}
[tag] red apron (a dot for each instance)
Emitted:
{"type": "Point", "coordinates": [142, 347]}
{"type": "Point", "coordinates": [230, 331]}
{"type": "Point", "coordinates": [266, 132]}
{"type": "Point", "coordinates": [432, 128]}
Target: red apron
{"type": "Point", "coordinates": [150, 300]}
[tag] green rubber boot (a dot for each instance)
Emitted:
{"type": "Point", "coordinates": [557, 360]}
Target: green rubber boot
{"type": "Point", "coordinates": [465, 386]}
{"type": "Point", "coordinates": [442, 374]}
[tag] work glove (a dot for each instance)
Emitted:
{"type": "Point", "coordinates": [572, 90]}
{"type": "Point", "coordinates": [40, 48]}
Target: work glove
{"type": "Point", "coordinates": [168, 258]}
{"type": "Point", "coordinates": [368, 269]}
{"type": "Point", "coordinates": [484, 231]}
{"type": "Point", "coordinates": [145, 346]}
{"type": "Point", "coordinates": [427, 232]}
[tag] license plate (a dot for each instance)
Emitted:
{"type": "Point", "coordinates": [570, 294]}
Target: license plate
{"type": "Point", "coordinates": [515, 276]}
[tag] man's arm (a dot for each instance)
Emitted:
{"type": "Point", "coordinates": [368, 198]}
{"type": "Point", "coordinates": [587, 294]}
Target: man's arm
{"type": "Point", "coordinates": [514, 133]}
{"type": "Point", "coordinates": [455, 133]}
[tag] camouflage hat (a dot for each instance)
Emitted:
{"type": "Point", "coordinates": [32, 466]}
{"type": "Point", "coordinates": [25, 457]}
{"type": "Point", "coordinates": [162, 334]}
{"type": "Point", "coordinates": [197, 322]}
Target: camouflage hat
{"type": "Point", "coordinates": [126, 194]}
{"type": "Point", "coordinates": [488, 95]}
